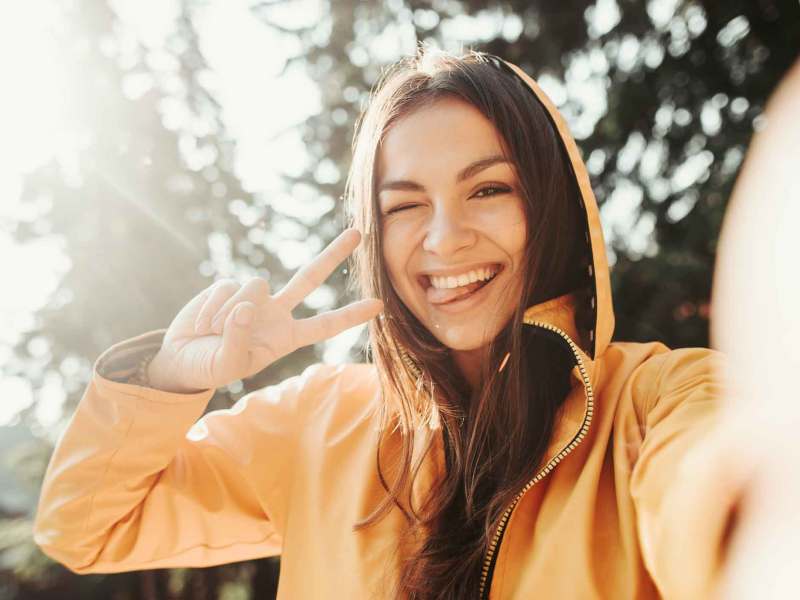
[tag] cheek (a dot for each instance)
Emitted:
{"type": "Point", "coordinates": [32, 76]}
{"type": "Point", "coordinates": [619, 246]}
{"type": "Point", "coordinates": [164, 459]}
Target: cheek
{"type": "Point", "coordinates": [505, 223]}
{"type": "Point", "coordinates": [517, 232]}
{"type": "Point", "coordinates": [395, 254]}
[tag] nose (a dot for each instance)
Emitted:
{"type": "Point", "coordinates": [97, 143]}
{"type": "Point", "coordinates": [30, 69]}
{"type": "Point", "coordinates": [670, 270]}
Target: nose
{"type": "Point", "coordinates": [448, 232]}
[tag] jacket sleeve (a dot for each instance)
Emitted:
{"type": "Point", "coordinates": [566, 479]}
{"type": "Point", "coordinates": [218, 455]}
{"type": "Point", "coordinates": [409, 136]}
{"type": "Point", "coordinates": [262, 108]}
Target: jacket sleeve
{"type": "Point", "coordinates": [678, 483]}
{"type": "Point", "coordinates": [136, 481]}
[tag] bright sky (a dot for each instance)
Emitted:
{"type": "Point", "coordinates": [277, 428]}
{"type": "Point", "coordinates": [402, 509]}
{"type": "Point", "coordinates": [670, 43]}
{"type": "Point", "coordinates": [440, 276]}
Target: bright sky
{"type": "Point", "coordinates": [29, 114]}
{"type": "Point", "coordinates": [29, 118]}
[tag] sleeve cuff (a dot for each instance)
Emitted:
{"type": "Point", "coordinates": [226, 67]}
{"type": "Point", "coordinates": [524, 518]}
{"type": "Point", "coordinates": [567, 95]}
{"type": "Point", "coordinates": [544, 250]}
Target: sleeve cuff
{"type": "Point", "coordinates": [116, 365]}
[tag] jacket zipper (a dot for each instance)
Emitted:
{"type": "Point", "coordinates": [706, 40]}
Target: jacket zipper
{"type": "Point", "coordinates": [490, 552]}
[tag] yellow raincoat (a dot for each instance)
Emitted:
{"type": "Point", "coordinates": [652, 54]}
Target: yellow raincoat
{"type": "Point", "coordinates": [139, 481]}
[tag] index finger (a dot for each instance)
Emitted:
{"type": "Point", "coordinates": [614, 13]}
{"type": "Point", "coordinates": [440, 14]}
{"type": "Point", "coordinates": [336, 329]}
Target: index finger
{"type": "Point", "coordinates": [311, 276]}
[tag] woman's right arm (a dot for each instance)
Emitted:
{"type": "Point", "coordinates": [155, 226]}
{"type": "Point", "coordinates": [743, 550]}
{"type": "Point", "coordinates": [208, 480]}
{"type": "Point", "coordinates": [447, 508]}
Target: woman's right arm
{"type": "Point", "coordinates": [137, 482]}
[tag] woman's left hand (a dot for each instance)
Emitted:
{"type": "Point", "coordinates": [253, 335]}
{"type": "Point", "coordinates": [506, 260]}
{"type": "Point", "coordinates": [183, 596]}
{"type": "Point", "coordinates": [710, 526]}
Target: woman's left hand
{"type": "Point", "coordinates": [756, 323]}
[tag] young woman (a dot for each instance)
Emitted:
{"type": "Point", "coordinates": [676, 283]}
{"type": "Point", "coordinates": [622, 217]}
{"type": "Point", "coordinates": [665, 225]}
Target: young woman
{"type": "Point", "coordinates": [499, 446]}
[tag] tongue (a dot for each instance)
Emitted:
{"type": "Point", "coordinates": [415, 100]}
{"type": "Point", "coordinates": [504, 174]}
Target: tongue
{"type": "Point", "coordinates": [440, 296]}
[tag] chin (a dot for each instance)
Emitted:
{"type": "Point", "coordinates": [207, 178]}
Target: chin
{"type": "Point", "coordinates": [458, 340]}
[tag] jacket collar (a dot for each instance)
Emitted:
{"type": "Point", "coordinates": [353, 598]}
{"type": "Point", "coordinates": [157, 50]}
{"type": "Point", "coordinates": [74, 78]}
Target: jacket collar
{"type": "Point", "coordinates": [559, 312]}
{"type": "Point", "coordinates": [575, 413]}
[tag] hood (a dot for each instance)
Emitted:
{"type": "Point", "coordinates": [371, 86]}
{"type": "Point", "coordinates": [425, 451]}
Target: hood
{"type": "Point", "coordinates": [560, 311]}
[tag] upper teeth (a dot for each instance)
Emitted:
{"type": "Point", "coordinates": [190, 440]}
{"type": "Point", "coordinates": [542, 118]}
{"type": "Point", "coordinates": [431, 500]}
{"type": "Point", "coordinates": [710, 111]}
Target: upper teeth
{"type": "Point", "coordinates": [464, 278]}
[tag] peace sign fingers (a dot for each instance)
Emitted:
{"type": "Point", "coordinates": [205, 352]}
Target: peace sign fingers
{"type": "Point", "coordinates": [322, 327]}
{"type": "Point", "coordinates": [314, 274]}
{"type": "Point", "coordinates": [210, 346]}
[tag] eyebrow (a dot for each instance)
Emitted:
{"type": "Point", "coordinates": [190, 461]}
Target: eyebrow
{"type": "Point", "coordinates": [470, 170]}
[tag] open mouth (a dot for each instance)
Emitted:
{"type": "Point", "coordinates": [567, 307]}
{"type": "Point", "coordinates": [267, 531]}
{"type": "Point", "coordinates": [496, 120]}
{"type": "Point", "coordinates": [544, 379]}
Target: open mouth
{"type": "Point", "coordinates": [447, 290]}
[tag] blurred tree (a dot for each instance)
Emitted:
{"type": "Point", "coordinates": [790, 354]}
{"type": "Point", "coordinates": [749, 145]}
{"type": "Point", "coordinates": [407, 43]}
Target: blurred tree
{"type": "Point", "coordinates": [662, 97]}
{"type": "Point", "coordinates": [149, 211]}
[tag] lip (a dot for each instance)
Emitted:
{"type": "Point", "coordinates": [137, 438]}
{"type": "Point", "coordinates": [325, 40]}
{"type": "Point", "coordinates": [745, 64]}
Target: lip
{"type": "Point", "coordinates": [462, 305]}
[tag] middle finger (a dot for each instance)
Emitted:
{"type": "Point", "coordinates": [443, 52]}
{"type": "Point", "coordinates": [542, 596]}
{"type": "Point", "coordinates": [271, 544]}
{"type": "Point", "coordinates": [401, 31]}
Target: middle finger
{"type": "Point", "coordinates": [255, 290]}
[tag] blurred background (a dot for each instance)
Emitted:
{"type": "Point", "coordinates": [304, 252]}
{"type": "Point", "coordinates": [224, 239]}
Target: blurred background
{"type": "Point", "coordinates": [150, 147]}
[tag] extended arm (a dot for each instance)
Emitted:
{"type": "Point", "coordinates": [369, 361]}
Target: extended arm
{"type": "Point", "coordinates": [679, 487]}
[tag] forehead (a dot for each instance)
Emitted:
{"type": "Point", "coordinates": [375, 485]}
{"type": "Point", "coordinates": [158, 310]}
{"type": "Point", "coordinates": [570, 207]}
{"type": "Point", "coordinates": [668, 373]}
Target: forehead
{"type": "Point", "coordinates": [439, 137]}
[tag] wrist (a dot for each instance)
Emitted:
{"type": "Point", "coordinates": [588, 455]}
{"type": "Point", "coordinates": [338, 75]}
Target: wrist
{"type": "Point", "coordinates": [158, 377]}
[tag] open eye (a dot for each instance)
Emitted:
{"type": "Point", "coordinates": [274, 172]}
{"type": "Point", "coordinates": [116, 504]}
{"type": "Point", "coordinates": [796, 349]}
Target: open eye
{"type": "Point", "coordinates": [492, 190]}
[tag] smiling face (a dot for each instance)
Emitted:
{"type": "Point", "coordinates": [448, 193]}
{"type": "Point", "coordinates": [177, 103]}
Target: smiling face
{"type": "Point", "coordinates": [452, 218]}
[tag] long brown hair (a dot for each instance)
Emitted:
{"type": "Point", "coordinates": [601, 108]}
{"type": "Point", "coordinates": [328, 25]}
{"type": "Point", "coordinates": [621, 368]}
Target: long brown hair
{"type": "Point", "coordinates": [494, 436]}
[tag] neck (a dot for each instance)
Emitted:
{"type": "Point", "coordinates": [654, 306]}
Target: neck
{"type": "Point", "coordinates": [469, 363]}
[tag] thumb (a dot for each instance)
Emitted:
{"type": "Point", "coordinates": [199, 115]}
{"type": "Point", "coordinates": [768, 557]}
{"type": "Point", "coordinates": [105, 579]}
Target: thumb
{"type": "Point", "coordinates": [233, 355]}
